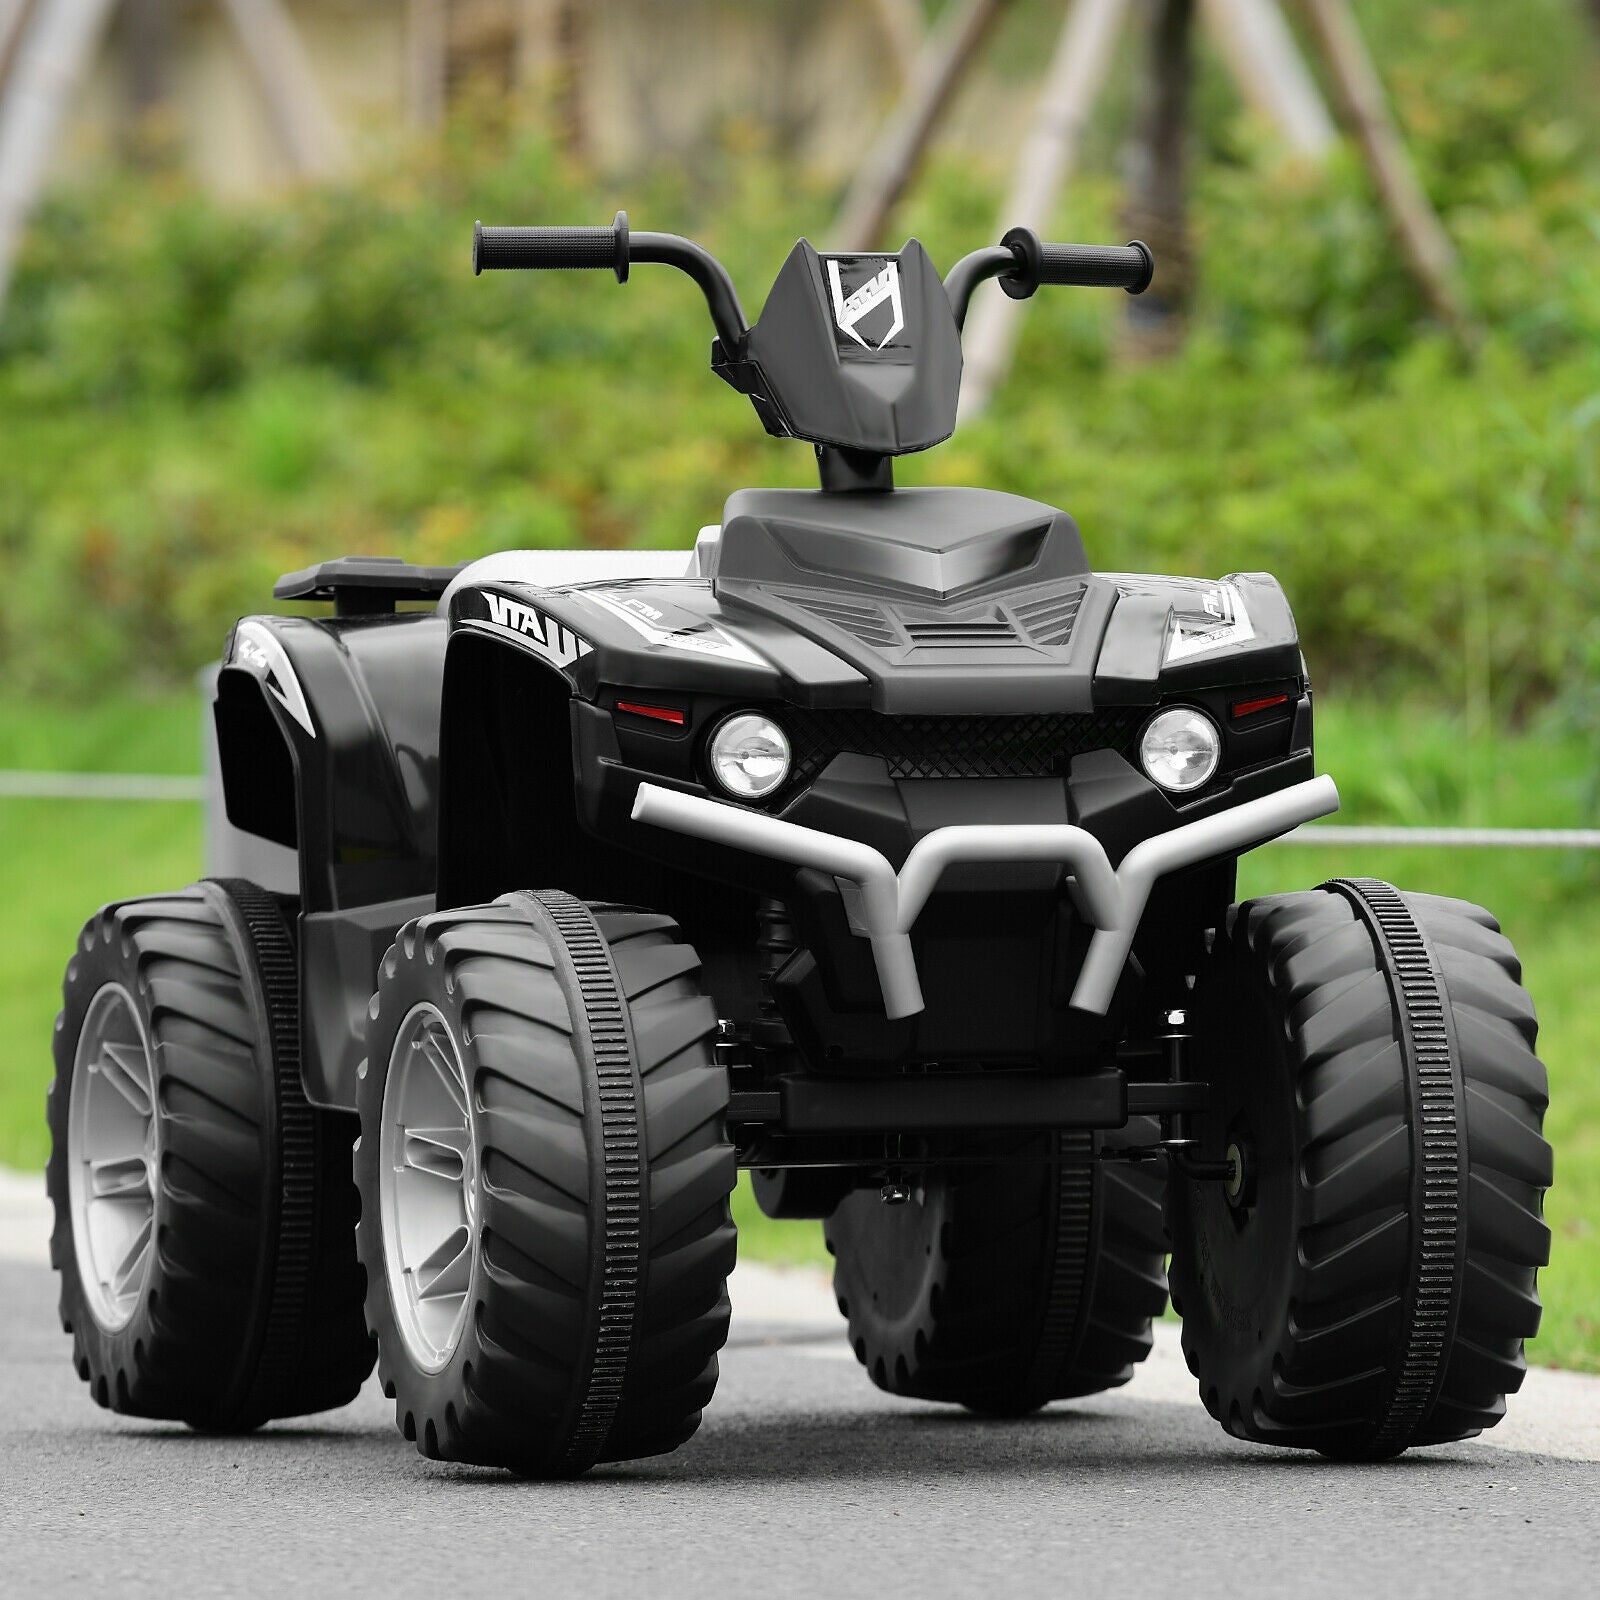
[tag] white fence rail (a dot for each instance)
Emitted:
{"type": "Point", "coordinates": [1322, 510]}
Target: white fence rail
{"type": "Point", "coordinates": [99, 786]}
{"type": "Point", "coordinates": [151, 786]}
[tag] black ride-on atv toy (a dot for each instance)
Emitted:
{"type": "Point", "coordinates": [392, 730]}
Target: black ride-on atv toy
{"type": "Point", "coordinates": [886, 850]}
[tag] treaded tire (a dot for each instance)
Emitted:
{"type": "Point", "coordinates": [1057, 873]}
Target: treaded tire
{"type": "Point", "coordinates": [597, 1299]}
{"type": "Point", "coordinates": [1373, 1053]}
{"type": "Point", "coordinates": [1002, 1288]}
{"type": "Point", "coordinates": [251, 1304]}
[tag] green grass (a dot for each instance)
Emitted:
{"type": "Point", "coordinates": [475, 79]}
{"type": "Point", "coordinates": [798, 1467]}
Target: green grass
{"type": "Point", "coordinates": [1393, 764]}
{"type": "Point", "coordinates": [61, 859]}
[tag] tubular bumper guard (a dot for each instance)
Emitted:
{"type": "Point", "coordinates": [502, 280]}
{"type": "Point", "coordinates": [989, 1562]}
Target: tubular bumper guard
{"type": "Point", "coordinates": [883, 906]}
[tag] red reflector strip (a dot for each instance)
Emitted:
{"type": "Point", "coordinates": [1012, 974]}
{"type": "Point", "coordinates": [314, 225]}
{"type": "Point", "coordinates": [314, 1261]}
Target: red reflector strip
{"type": "Point", "coordinates": [655, 713]}
{"type": "Point", "coordinates": [1245, 707]}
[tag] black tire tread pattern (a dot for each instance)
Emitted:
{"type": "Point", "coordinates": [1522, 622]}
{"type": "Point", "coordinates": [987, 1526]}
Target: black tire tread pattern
{"type": "Point", "coordinates": [254, 1309]}
{"type": "Point", "coordinates": [592, 1337]}
{"type": "Point", "coordinates": [1042, 1284]}
{"type": "Point", "coordinates": [1338, 1382]}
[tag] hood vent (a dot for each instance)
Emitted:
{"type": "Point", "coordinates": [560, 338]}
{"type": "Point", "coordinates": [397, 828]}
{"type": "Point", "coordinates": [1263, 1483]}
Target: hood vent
{"type": "Point", "coordinates": [860, 618]}
{"type": "Point", "coordinates": [1050, 621]}
{"type": "Point", "coordinates": [975, 631]}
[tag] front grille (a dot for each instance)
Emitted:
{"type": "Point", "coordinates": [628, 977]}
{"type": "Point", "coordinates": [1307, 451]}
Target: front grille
{"type": "Point", "coordinates": [1039, 746]}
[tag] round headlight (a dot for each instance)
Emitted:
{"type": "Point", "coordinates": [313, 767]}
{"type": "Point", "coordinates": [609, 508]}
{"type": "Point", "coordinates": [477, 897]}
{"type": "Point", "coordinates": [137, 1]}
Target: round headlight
{"type": "Point", "coordinates": [1180, 749]}
{"type": "Point", "coordinates": [749, 756]}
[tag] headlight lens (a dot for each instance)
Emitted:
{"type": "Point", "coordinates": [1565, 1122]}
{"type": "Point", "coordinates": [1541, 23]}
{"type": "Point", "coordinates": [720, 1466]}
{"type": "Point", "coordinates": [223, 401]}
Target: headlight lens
{"type": "Point", "coordinates": [749, 756]}
{"type": "Point", "coordinates": [1180, 749]}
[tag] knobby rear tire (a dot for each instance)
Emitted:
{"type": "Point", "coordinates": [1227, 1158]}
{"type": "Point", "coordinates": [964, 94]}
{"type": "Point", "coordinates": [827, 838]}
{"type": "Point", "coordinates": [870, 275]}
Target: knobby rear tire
{"type": "Point", "coordinates": [250, 1305]}
{"type": "Point", "coordinates": [1001, 1288]}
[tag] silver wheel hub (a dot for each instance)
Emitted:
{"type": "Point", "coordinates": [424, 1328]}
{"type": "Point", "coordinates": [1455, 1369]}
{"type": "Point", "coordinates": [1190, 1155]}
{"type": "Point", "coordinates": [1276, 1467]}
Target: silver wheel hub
{"type": "Point", "coordinates": [428, 1187]}
{"type": "Point", "coordinates": [113, 1157]}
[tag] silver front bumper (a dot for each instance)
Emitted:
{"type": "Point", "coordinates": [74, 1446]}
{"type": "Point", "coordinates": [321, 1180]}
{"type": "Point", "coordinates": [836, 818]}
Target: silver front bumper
{"type": "Point", "coordinates": [884, 905]}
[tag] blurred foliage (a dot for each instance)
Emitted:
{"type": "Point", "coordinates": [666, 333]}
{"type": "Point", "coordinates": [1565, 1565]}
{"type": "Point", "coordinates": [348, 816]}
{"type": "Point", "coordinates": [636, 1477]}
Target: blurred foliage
{"type": "Point", "coordinates": [195, 397]}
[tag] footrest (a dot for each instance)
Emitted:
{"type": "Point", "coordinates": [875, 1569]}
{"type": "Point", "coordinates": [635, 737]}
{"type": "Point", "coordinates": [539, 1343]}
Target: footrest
{"type": "Point", "coordinates": [365, 586]}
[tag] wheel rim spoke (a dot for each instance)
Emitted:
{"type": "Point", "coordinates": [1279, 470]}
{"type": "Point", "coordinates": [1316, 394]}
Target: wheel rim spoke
{"type": "Point", "coordinates": [120, 1178]}
{"type": "Point", "coordinates": [444, 1274]}
{"type": "Point", "coordinates": [128, 1270]}
{"type": "Point", "coordinates": [439, 1152]}
{"type": "Point", "coordinates": [428, 1187]}
{"type": "Point", "coordinates": [113, 1154]}
{"type": "Point", "coordinates": [125, 1068]}
{"type": "Point", "coordinates": [438, 1054]}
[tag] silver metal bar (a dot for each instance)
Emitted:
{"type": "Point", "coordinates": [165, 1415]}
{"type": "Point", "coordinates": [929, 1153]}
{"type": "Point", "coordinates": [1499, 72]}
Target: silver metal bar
{"type": "Point", "coordinates": [1239, 828]}
{"type": "Point", "coordinates": [858, 864]}
{"type": "Point", "coordinates": [884, 905]}
{"type": "Point", "coordinates": [1448, 838]}
{"type": "Point", "coordinates": [99, 786]}
{"type": "Point", "coordinates": [1074, 848]}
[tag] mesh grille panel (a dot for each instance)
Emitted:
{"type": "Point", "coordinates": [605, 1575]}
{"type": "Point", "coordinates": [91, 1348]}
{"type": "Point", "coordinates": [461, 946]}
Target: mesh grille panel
{"type": "Point", "coordinates": [955, 747]}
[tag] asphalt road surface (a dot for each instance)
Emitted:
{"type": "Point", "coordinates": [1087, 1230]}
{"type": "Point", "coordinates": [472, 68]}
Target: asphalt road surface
{"type": "Point", "coordinates": [803, 1480]}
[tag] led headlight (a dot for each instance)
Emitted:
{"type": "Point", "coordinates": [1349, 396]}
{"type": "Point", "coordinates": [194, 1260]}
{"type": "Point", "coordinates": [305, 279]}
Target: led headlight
{"type": "Point", "coordinates": [1180, 749]}
{"type": "Point", "coordinates": [749, 756]}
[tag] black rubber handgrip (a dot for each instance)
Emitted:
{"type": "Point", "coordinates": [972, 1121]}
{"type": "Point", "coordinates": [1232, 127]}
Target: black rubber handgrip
{"type": "Point", "coordinates": [1089, 266]}
{"type": "Point", "coordinates": [552, 249]}
{"type": "Point", "coordinates": [1098, 266]}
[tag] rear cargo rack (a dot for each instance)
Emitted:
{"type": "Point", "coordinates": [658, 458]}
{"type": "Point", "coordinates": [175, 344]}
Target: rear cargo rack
{"type": "Point", "coordinates": [365, 586]}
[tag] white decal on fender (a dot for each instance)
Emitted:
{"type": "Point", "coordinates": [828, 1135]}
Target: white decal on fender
{"type": "Point", "coordinates": [543, 635]}
{"type": "Point", "coordinates": [256, 649]}
{"type": "Point", "coordinates": [707, 639]}
{"type": "Point", "coordinates": [1222, 620]}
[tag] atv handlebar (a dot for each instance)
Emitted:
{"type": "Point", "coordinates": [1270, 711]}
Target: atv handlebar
{"type": "Point", "coordinates": [557, 249]}
{"type": "Point", "coordinates": [1022, 262]}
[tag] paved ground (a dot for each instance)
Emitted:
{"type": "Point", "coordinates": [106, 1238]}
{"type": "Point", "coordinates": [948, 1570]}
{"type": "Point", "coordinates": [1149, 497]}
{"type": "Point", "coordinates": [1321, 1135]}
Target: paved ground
{"type": "Point", "coordinates": [803, 1480]}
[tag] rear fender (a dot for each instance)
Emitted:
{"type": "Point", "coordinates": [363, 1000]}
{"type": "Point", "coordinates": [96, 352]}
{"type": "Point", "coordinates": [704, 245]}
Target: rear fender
{"type": "Point", "coordinates": [328, 742]}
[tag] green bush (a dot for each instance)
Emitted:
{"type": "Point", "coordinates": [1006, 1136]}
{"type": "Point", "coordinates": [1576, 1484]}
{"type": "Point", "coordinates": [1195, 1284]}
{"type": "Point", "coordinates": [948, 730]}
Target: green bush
{"type": "Point", "coordinates": [210, 394]}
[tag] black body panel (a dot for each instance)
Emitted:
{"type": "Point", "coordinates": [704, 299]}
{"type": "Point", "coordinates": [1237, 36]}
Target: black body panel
{"type": "Point", "coordinates": [1171, 635]}
{"type": "Point", "coordinates": [935, 657]}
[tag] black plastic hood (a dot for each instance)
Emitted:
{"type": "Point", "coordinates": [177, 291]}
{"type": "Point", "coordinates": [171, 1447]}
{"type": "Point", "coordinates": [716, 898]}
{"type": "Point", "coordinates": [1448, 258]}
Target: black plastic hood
{"type": "Point", "coordinates": [931, 544]}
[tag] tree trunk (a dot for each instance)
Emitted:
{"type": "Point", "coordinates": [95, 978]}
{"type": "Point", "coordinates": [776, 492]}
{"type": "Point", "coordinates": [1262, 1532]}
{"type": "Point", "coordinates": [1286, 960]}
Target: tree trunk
{"type": "Point", "coordinates": [901, 25]}
{"type": "Point", "coordinates": [891, 163]}
{"type": "Point", "coordinates": [1427, 249]}
{"type": "Point", "coordinates": [13, 17]}
{"type": "Point", "coordinates": [144, 35]}
{"type": "Point", "coordinates": [1157, 209]}
{"type": "Point", "coordinates": [53, 53]}
{"type": "Point", "coordinates": [427, 52]}
{"type": "Point", "coordinates": [1260, 49]}
{"type": "Point", "coordinates": [308, 133]}
{"type": "Point", "coordinates": [1077, 73]}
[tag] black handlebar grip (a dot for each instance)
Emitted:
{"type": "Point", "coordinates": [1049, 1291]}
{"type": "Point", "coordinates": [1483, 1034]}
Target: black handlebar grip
{"type": "Point", "coordinates": [551, 249]}
{"type": "Point", "coordinates": [1089, 266]}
